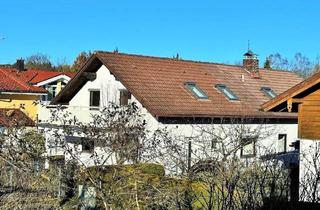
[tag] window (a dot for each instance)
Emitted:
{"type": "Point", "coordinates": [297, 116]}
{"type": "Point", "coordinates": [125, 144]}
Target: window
{"type": "Point", "coordinates": [282, 143]}
{"type": "Point", "coordinates": [51, 93]}
{"type": "Point", "coordinates": [87, 145]}
{"type": "Point", "coordinates": [95, 98]}
{"type": "Point", "coordinates": [196, 90]}
{"type": "Point", "coordinates": [227, 92]}
{"type": "Point", "coordinates": [124, 97]}
{"type": "Point", "coordinates": [268, 92]}
{"type": "Point", "coordinates": [248, 146]}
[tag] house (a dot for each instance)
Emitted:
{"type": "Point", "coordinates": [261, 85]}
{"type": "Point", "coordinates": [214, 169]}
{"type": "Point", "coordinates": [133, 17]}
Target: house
{"type": "Point", "coordinates": [21, 88]}
{"type": "Point", "coordinates": [304, 99]}
{"type": "Point", "coordinates": [181, 95]}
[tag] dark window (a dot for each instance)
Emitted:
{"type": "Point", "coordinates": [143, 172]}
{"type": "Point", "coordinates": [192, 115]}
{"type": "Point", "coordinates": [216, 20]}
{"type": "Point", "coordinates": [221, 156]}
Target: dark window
{"type": "Point", "coordinates": [124, 97]}
{"type": "Point", "coordinates": [94, 98]}
{"type": "Point", "coordinates": [248, 146]}
{"type": "Point", "coordinates": [282, 143]}
{"type": "Point", "coordinates": [227, 92]}
{"type": "Point", "coordinates": [268, 92]}
{"type": "Point", "coordinates": [196, 90]}
{"type": "Point", "coordinates": [87, 145]}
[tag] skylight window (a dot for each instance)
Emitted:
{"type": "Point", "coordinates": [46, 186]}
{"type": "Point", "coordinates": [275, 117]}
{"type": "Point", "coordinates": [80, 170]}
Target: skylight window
{"type": "Point", "coordinates": [227, 92]}
{"type": "Point", "coordinates": [196, 90]}
{"type": "Point", "coordinates": [268, 92]}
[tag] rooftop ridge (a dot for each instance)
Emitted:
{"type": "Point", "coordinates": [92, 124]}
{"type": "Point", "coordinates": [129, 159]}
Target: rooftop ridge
{"type": "Point", "coordinates": [165, 58]}
{"type": "Point", "coordinates": [187, 60]}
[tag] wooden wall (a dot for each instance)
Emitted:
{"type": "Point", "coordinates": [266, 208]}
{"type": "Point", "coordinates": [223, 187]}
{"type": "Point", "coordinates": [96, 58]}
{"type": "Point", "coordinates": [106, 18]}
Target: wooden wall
{"type": "Point", "coordinates": [309, 117]}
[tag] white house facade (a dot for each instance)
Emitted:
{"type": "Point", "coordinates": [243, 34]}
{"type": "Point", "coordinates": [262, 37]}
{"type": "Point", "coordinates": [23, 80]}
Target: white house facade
{"type": "Point", "coordinates": [100, 85]}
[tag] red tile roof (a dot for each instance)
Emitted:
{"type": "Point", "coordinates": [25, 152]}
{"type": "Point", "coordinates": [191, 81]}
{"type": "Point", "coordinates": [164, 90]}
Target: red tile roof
{"type": "Point", "coordinates": [278, 101]}
{"type": "Point", "coordinates": [12, 80]}
{"type": "Point", "coordinates": [159, 84]}
{"type": "Point", "coordinates": [14, 117]}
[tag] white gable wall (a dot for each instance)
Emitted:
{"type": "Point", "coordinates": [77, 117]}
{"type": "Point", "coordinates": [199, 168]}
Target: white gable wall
{"type": "Point", "coordinates": [106, 83]}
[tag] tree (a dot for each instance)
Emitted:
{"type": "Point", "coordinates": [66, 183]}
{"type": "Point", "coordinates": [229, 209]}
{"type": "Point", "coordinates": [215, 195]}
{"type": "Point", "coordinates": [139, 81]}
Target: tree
{"type": "Point", "coordinates": [123, 171]}
{"type": "Point", "coordinates": [300, 64]}
{"type": "Point", "coordinates": [39, 61]}
{"type": "Point", "coordinates": [63, 66]}
{"type": "Point", "coordinates": [81, 59]}
{"type": "Point", "coordinates": [267, 64]}
{"type": "Point", "coordinates": [22, 182]}
{"type": "Point", "coordinates": [278, 62]}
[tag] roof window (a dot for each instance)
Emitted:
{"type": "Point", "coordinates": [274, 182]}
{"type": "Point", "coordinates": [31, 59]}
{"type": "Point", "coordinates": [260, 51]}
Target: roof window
{"type": "Point", "coordinates": [268, 92]}
{"type": "Point", "coordinates": [226, 91]}
{"type": "Point", "coordinates": [196, 90]}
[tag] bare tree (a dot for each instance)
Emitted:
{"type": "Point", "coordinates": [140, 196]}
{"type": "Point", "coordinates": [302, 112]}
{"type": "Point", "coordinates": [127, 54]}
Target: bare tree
{"type": "Point", "coordinates": [39, 61]}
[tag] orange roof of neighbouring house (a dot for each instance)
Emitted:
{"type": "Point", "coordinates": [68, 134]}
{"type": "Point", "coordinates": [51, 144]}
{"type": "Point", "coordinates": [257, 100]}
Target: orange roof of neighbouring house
{"type": "Point", "coordinates": [12, 80]}
{"type": "Point", "coordinates": [14, 117]}
{"type": "Point", "coordinates": [159, 85]}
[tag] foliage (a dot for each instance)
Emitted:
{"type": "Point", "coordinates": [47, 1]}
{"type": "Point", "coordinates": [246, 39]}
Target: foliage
{"type": "Point", "coordinates": [81, 59]}
{"type": "Point", "coordinates": [23, 184]}
{"type": "Point", "coordinates": [39, 61]}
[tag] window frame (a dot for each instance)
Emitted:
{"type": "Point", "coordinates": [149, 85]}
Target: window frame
{"type": "Point", "coordinates": [222, 87]}
{"type": "Point", "coordinates": [188, 86]}
{"type": "Point", "coordinates": [91, 91]}
{"type": "Point", "coordinates": [267, 91]}
{"type": "Point", "coordinates": [122, 92]}
{"type": "Point", "coordinates": [285, 142]}
{"type": "Point", "coordinates": [252, 141]}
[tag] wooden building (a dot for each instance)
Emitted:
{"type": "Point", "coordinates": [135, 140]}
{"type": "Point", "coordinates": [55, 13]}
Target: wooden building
{"type": "Point", "coordinates": [304, 99]}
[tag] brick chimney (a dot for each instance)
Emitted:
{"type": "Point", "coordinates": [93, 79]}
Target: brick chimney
{"type": "Point", "coordinates": [251, 63]}
{"type": "Point", "coordinates": [20, 65]}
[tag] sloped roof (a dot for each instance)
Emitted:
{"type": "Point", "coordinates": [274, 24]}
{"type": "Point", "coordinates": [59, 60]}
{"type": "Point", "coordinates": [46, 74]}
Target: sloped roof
{"type": "Point", "coordinates": [294, 91]}
{"type": "Point", "coordinates": [159, 84]}
{"type": "Point", "coordinates": [41, 76]}
{"type": "Point", "coordinates": [11, 81]}
{"type": "Point", "coordinates": [22, 81]}
{"type": "Point", "coordinates": [14, 117]}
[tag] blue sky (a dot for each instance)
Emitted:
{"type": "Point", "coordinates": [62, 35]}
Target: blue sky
{"type": "Point", "coordinates": [205, 30]}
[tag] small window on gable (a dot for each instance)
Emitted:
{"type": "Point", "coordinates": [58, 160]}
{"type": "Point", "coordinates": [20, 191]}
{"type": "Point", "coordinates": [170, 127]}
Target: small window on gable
{"type": "Point", "coordinates": [227, 92]}
{"type": "Point", "coordinates": [95, 98]}
{"type": "Point", "coordinates": [124, 97]}
{"type": "Point", "coordinates": [268, 92]}
{"type": "Point", "coordinates": [196, 90]}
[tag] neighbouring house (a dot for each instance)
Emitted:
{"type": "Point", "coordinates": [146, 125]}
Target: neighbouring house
{"type": "Point", "coordinates": [22, 88]}
{"type": "Point", "coordinates": [180, 95]}
{"type": "Point", "coordinates": [304, 99]}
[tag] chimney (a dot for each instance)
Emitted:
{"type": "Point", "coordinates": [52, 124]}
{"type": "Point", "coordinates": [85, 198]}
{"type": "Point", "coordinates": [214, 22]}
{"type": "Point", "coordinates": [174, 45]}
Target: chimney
{"type": "Point", "coordinates": [20, 65]}
{"type": "Point", "coordinates": [251, 63]}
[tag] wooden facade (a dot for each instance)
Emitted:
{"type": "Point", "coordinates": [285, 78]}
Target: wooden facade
{"type": "Point", "coordinates": [309, 116]}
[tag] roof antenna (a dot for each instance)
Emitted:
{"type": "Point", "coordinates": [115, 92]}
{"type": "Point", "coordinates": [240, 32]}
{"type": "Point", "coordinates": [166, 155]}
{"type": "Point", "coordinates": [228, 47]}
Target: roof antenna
{"type": "Point", "coordinates": [248, 45]}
